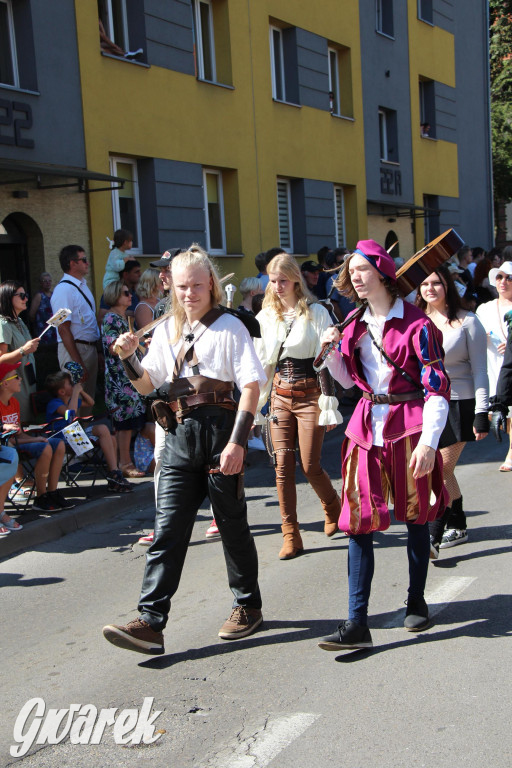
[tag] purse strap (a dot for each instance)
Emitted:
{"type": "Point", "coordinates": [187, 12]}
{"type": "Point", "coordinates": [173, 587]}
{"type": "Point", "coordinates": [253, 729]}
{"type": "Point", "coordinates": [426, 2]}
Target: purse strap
{"type": "Point", "coordinates": [79, 291]}
{"type": "Point", "coordinates": [402, 373]}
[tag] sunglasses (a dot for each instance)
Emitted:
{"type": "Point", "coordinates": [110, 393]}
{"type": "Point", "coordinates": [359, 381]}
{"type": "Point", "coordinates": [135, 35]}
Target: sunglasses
{"type": "Point", "coordinates": [10, 378]}
{"type": "Point", "coordinates": [22, 295]}
{"type": "Point", "coordinates": [508, 278]}
{"type": "Point", "coordinates": [82, 258]}
{"type": "Point", "coordinates": [126, 293]}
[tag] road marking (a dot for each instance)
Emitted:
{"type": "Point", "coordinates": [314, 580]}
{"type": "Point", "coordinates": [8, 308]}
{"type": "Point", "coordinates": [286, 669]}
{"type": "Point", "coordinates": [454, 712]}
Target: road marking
{"type": "Point", "coordinates": [437, 600]}
{"type": "Point", "coordinates": [260, 748]}
{"type": "Point", "coordinates": [444, 594]}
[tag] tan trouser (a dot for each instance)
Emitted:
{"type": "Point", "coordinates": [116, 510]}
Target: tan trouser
{"type": "Point", "coordinates": [90, 357]}
{"type": "Point", "coordinates": [297, 419]}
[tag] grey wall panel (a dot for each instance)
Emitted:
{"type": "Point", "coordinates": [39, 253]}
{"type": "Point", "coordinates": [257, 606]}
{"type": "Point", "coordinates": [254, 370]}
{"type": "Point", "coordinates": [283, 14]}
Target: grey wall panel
{"type": "Point", "coordinates": [49, 63]}
{"type": "Point", "coordinates": [446, 112]}
{"type": "Point", "coordinates": [179, 200]}
{"type": "Point", "coordinates": [444, 14]}
{"type": "Point", "coordinates": [450, 214]}
{"type": "Point", "coordinates": [169, 35]}
{"type": "Point", "coordinates": [313, 69]}
{"type": "Point", "coordinates": [385, 78]}
{"type": "Point", "coordinates": [473, 138]}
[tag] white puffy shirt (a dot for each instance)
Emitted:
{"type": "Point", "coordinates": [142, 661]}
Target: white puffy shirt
{"type": "Point", "coordinates": [224, 351]}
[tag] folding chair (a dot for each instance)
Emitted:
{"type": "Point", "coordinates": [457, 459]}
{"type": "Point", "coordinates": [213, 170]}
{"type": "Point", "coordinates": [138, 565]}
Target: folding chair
{"type": "Point", "coordinates": [17, 497]}
{"type": "Point", "coordinates": [90, 463]}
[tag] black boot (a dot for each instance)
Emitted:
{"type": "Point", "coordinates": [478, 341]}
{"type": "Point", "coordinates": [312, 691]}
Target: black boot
{"type": "Point", "coordinates": [436, 529]}
{"type": "Point", "coordinates": [457, 518]}
{"type": "Point", "coordinates": [416, 615]}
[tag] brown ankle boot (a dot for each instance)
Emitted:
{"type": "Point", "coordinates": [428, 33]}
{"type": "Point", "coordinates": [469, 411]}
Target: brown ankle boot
{"type": "Point", "coordinates": [292, 544]}
{"type": "Point", "coordinates": [332, 514]}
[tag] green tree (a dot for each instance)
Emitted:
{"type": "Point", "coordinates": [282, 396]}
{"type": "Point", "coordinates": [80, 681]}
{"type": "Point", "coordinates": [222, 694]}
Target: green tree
{"type": "Point", "coordinates": [500, 50]}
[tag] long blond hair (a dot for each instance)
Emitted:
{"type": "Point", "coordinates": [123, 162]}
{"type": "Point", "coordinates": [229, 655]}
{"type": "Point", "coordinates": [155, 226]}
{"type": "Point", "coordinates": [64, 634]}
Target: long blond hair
{"type": "Point", "coordinates": [194, 256]}
{"type": "Point", "coordinates": [286, 265]}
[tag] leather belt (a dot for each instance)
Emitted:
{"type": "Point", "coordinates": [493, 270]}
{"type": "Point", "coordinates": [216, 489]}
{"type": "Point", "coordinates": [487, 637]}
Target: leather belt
{"type": "Point", "coordinates": [390, 399]}
{"type": "Point", "coordinates": [295, 392]}
{"type": "Point", "coordinates": [186, 403]}
{"type": "Point", "coordinates": [89, 343]}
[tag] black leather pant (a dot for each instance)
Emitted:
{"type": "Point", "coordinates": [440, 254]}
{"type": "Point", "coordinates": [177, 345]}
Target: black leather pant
{"type": "Point", "coordinates": [184, 483]}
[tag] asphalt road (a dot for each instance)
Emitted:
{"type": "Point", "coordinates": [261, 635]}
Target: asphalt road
{"type": "Point", "coordinates": [439, 697]}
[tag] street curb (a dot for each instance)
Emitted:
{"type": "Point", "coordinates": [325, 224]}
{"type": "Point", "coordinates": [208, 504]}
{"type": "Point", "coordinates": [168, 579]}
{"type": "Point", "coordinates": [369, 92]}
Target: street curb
{"type": "Point", "coordinates": [49, 529]}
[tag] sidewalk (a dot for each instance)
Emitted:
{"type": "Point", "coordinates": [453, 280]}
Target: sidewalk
{"type": "Point", "coordinates": [92, 505]}
{"type": "Point", "coordinates": [96, 504]}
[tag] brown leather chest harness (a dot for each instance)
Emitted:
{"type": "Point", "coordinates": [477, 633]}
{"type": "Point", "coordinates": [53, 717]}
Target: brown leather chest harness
{"type": "Point", "coordinates": [191, 392]}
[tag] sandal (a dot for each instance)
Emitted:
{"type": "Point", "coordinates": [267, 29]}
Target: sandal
{"type": "Point", "coordinates": [506, 466]}
{"type": "Point", "coordinates": [130, 470]}
{"type": "Point", "coordinates": [4, 531]}
{"type": "Point", "coordinates": [11, 525]}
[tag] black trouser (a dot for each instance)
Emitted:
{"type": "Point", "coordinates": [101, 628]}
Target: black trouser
{"type": "Point", "coordinates": [184, 482]}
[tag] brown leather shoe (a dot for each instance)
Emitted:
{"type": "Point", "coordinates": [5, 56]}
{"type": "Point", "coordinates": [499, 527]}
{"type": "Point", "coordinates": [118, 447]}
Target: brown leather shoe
{"type": "Point", "coordinates": [292, 544]}
{"type": "Point", "coordinates": [242, 622]}
{"type": "Point", "coordinates": [137, 635]}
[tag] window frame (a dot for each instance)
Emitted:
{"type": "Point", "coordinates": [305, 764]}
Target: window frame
{"type": "Point", "coordinates": [339, 191]}
{"type": "Point", "coordinates": [421, 17]}
{"type": "Point", "coordinates": [383, 136]}
{"type": "Point", "coordinates": [198, 32]}
{"type": "Point", "coordinates": [125, 42]}
{"type": "Point", "coordinates": [388, 129]}
{"type": "Point", "coordinates": [289, 213]}
{"type": "Point", "coordinates": [380, 16]}
{"type": "Point", "coordinates": [334, 87]}
{"type": "Point", "coordinates": [220, 192]}
{"type": "Point", "coordinates": [136, 250]}
{"type": "Point", "coordinates": [273, 29]}
{"type": "Point", "coordinates": [13, 51]}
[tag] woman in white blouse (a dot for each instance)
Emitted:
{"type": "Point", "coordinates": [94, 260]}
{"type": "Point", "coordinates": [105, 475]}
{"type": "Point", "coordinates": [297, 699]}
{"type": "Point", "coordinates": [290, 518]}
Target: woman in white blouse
{"type": "Point", "coordinates": [465, 347]}
{"type": "Point", "coordinates": [291, 327]}
{"type": "Point", "coordinates": [492, 316]}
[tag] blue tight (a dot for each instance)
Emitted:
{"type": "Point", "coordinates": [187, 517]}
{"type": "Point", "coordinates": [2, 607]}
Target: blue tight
{"type": "Point", "coordinates": [361, 564]}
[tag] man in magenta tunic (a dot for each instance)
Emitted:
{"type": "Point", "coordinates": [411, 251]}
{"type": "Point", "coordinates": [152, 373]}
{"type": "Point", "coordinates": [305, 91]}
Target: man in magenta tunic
{"type": "Point", "coordinates": [394, 354]}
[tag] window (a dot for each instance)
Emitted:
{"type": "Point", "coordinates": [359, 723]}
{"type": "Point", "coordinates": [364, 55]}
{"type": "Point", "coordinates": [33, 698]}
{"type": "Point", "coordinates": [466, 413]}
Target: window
{"type": "Point", "coordinates": [284, 213]}
{"type": "Point", "coordinates": [388, 135]}
{"type": "Point", "coordinates": [339, 216]}
{"type": "Point", "coordinates": [334, 81]}
{"type": "Point", "coordinates": [277, 64]}
{"type": "Point", "coordinates": [384, 17]}
{"type": "Point", "coordinates": [427, 107]}
{"type": "Point", "coordinates": [205, 42]}
{"type": "Point", "coordinates": [431, 206]}
{"type": "Point", "coordinates": [125, 202]}
{"type": "Point", "coordinates": [114, 18]}
{"type": "Point", "coordinates": [426, 11]}
{"type": "Point", "coordinates": [8, 62]}
{"type": "Point", "coordinates": [214, 208]}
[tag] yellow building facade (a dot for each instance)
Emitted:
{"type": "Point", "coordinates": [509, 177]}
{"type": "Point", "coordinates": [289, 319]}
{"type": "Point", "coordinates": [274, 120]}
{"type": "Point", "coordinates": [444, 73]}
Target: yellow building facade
{"type": "Point", "coordinates": [232, 123]}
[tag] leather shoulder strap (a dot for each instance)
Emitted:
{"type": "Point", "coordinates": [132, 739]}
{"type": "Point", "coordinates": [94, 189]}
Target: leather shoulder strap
{"type": "Point", "coordinates": [403, 373]}
{"type": "Point", "coordinates": [186, 351]}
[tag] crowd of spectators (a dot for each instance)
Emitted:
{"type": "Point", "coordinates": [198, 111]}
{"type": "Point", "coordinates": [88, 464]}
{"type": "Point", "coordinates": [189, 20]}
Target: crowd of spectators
{"type": "Point", "coordinates": [35, 359]}
{"type": "Point", "coordinates": [80, 377]}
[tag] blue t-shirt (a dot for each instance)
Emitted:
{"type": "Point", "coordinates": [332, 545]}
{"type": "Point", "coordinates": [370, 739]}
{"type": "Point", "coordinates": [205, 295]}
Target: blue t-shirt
{"type": "Point", "coordinates": [52, 411]}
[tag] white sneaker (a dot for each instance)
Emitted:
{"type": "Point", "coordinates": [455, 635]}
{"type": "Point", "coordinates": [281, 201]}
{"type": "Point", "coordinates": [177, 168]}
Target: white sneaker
{"type": "Point", "coordinates": [452, 537]}
{"type": "Point", "coordinates": [257, 444]}
{"type": "Point", "coordinates": [212, 531]}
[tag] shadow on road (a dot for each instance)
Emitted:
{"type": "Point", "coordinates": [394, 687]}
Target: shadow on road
{"type": "Point", "coordinates": [490, 617]}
